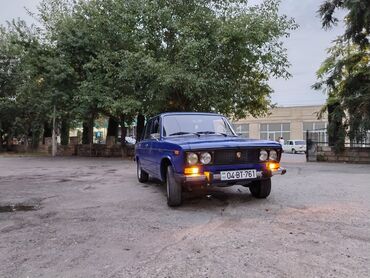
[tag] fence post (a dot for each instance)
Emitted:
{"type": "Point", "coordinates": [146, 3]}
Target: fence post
{"type": "Point", "coordinates": [307, 146]}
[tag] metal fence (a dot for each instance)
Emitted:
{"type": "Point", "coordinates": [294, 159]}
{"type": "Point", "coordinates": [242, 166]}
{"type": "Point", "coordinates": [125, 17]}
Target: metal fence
{"type": "Point", "coordinates": [318, 138]}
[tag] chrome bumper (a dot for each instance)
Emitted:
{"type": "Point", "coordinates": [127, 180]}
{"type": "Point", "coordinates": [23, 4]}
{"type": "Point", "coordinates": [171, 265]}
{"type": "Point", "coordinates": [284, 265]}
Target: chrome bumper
{"type": "Point", "coordinates": [217, 177]}
{"type": "Point", "coordinates": [280, 171]}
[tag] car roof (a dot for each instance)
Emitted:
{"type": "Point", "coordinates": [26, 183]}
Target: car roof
{"type": "Point", "coordinates": [189, 113]}
{"type": "Point", "coordinates": [185, 113]}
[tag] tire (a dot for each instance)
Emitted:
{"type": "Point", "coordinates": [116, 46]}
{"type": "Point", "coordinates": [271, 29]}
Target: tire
{"type": "Point", "coordinates": [260, 189]}
{"type": "Point", "coordinates": [294, 151]}
{"type": "Point", "coordinates": [142, 176]}
{"type": "Point", "coordinates": [174, 189]}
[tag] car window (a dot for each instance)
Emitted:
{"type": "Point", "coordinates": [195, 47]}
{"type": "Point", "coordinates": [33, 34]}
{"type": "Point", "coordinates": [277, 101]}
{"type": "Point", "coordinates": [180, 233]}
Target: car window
{"type": "Point", "coordinates": [155, 126]}
{"type": "Point", "coordinates": [300, 142]}
{"type": "Point", "coordinates": [148, 127]}
{"type": "Point", "coordinates": [201, 124]}
{"type": "Point", "coordinates": [291, 143]}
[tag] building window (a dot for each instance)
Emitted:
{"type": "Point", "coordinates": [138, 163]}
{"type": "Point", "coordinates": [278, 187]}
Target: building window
{"type": "Point", "coordinates": [242, 130]}
{"type": "Point", "coordinates": [275, 131]}
{"type": "Point", "coordinates": [319, 128]}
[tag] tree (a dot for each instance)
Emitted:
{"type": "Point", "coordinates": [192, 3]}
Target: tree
{"type": "Point", "coordinates": [345, 74]}
{"type": "Point", "coordinates": [128, 59]}
{"type": "Point", "coordinates": [22, 90]}
{"type": "Point", "coordinates": [193, 56]}
{"type": "Point", "coordinates": [357, 19]}
{"type": "Point", "coordinates": [214, 55]}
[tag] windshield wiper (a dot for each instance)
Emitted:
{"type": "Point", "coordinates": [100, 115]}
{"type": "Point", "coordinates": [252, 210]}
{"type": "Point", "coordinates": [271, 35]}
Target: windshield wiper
{"type": "Point", "coordinates": [183, 133]}
{"type": "Point", "coordinates": [212, 132]}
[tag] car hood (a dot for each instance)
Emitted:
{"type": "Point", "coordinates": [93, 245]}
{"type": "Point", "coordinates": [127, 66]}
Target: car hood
{"type": "Point", "coordinates": [215, 141]}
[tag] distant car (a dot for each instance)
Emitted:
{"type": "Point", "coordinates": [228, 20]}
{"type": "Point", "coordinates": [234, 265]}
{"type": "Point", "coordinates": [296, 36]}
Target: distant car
{"type": "Point", "coordinates": [295, 146]}
{"type": "Point", "coordinates": [187, 150]}
{"type": "Point", "coordinates": [130, 140]}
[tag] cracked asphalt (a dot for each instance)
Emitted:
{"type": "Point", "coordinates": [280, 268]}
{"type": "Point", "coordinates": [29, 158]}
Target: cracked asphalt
{"type": "Point", "coordinates": [89, 217]}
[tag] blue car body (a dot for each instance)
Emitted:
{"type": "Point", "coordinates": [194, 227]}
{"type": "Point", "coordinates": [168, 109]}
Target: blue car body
{"type": "Point", "coordinates": [155, 153]}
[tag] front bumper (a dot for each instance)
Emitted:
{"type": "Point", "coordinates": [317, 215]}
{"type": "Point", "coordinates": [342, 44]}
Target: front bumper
{"type": "Point", "coordinates": [279, 171]}
{"type": "Point", "coordinates": [215, 179]}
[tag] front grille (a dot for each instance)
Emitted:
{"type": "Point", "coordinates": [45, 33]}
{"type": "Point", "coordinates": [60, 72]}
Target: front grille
{"type": "Point", "coordinates": [230, 156]}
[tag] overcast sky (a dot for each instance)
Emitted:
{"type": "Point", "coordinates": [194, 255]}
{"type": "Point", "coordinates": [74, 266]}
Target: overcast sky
{"type": "Point", "coordinates": [306, 47]}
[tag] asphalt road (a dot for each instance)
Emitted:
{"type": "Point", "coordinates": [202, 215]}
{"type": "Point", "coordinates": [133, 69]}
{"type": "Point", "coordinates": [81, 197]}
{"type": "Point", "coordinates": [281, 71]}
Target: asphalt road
{"type": "Point", "coordinates": [79, 217]}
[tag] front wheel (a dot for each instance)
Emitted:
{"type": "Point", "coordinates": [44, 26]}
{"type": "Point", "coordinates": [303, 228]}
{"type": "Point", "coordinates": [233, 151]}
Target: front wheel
{"type": "Point", "coordinates": [260, 189]}
{"type": "Point", "coordinates": [142, 176]}
{"type": "Point", "coordinates": [174, 197]}
{"type": "Point", "coordinates": [294, 151]}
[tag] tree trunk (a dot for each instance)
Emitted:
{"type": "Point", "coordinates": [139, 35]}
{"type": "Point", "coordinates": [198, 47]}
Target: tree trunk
{"type": "Point", "coordinates": [336, 131]}
{"type": "Point", "coordinates": [64, 132]}
{"type": "Point", "coordinates": [85, 133]}
{"type": "Point", "coordinates": [1, 137]}
{"type": "Point", "coordinates": [26, 143]}
{"type": "Point", "coordinates": [112, 131]}
{"type": "Point", "coordinates": [140, 124]}
{"type": "Point", "coordinates": [48, 131]}
{"type": "Point", "coordinates": [112, 127]}
{"type": "Point", "coordinates": [91, 129]}
{"type": "Point", "coordinates": [36, 134]}
{"type": "Point", "coordinates": [123, 131]}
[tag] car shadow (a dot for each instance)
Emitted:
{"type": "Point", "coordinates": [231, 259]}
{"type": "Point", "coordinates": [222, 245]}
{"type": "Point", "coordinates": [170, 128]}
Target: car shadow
{"type": "Point", "coordinates": [208, 197]}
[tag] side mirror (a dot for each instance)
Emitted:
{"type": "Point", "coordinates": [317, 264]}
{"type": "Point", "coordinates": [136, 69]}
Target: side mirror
{"type": "Point", "coordinates": [155, 136]}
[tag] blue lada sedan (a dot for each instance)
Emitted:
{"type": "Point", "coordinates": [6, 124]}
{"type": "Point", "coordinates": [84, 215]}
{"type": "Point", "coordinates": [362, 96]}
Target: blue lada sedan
{"type": "Point", "coordinates": [187, 150]}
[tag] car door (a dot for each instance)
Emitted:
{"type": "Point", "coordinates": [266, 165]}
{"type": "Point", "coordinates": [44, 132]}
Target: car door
{"type": "Point", "coordinates": [155, 149]}
{"type": "Point", "coordinates": [144, 147]}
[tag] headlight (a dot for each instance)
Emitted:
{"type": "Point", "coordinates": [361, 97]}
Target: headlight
{"type": "Point", "coordinates": [205, 158]}
{"type": "Point", "coordinates": [263, 155]}
{"type": "Point", "coordinates": [273, 155]}
{"type": "Point", "coordinates": [192, 158]}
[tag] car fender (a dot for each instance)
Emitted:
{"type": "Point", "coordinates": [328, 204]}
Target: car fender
{"type": "Point", "coordinates": [165, 161]}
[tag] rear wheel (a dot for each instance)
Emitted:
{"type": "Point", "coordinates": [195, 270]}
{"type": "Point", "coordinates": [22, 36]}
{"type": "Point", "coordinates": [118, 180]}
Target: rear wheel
{"type": "Point", "coordinates": [294, 151]}
{"type": "Point", "coordinates": [142, 176]}
{"type": "Point", "coordinates": [174, 189]}
{"type": "Point", "coordinates": [260, 189]}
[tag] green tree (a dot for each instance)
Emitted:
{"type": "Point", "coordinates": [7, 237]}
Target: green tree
{"type": "Point", "coordinates": [345, 74]}
{"type": "Point", "coordinates": [357, 19]}
{"type": "Point", "coordinates": [123, 59]}
{"type": "Point", "coordinates": [22, 85]}
{"type": "Point", "coordinates": [214, 55]}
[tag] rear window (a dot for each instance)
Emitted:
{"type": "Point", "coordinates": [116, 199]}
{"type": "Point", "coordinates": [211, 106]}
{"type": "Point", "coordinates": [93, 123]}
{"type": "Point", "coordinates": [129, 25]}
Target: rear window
{"type": "Point", "coordinates": [300, 142]}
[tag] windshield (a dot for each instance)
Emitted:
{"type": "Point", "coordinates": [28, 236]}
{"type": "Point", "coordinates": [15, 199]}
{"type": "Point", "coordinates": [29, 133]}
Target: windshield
{"type": "Point", "coordinates": [174, 125]}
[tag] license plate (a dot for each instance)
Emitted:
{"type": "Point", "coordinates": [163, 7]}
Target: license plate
{"type": "Point", "coordinates": [238, 175]}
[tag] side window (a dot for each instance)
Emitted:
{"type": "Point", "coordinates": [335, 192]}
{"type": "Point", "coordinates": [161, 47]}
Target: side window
{"type": "Point", "coordinates": [155, 126]}
{"type": "Point", "coordinates": [147, 130]}
{"type": "Point", "coordinates": [291, 143]}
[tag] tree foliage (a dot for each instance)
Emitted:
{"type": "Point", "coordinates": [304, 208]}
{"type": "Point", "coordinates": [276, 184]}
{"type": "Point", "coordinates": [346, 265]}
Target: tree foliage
{"type": "Point", "coordinates": [357, 19]}
{"type": "Point", "coordinates": [345, 74]}
{"type": "Point", "coordinates": [121, 59]}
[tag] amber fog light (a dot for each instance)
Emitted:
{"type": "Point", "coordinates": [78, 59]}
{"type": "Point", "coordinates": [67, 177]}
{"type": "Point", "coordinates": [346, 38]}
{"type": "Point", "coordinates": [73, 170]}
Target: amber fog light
{"type": "Point", "coordinates": [205, 158]}
{"type": "Point", "coordinates": [273, 166]}
{"type": "Point", "coordinates": [192, 170]}
{"type": "Point", "coordinates": [192, 158]}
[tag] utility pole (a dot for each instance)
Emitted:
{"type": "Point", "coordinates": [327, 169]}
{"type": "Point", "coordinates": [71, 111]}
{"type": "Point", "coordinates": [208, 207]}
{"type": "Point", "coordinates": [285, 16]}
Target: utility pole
{"type": "Point", "coordinates": [54, 137]}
